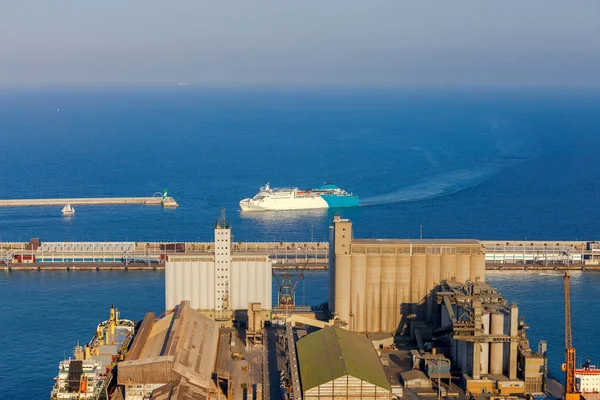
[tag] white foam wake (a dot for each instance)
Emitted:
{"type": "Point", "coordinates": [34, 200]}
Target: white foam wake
{"type": "Point", "coordinates": [438, 185]}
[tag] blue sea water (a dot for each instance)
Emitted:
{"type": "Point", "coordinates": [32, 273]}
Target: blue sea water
{"type": "Point", "coordinates": [483, 163]}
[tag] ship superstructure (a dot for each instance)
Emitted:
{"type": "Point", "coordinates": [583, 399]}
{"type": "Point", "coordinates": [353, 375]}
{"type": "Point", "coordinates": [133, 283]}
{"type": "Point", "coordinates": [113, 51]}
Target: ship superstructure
{"type": "Point", "coordinates": [326, 196]}
{"type": "Point", "coordinates": [588, 379]}
{"type": "Point", "coordinates": [89, 372]}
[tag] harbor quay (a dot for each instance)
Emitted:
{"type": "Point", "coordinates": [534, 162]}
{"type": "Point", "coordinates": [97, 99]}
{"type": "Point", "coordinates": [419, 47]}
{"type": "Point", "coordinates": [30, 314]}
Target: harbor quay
{"type": "Point", "coordinates": [159, 198]}
{"type": "Point", "coordinates": [499, 255]}
{"type": "Point", "coordinates": [38, 255]}
{"type": "Point", "coordinates": [403, 318]}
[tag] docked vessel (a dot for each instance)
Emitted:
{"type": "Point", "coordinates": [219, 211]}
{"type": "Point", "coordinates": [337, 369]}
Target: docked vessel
{"type": "Point", "coordinates": [88, 374]}
{"type": "Point", "coordinates": [588, 380]}
{"type": "Point", "coordinates": [326, 196]}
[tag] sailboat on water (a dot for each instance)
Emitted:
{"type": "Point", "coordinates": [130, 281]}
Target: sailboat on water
{"type": "Point", "coordinates": [68, 210]}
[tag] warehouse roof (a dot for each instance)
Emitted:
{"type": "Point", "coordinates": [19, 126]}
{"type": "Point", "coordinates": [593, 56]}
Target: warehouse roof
{"type": "Point", "coordinates": [413, 375]}
{"type": "Point", "coordinates": [182, 344]}
{"type": "Point", "coordinates": [334, 352]}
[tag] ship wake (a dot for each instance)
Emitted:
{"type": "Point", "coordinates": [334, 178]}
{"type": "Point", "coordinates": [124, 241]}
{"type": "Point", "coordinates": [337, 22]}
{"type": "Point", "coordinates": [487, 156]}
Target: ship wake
{"type": "Point", "coordinates": [510, 148]}
{"type": "Point", "coordinates": [439, 185]}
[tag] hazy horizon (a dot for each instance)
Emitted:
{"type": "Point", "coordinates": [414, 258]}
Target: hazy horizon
{"type": "Point", "coordinates": [313, 43]}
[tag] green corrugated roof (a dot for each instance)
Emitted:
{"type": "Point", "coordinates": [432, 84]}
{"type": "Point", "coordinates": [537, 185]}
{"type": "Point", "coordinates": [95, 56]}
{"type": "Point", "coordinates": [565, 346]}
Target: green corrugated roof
{"type": "Point", "coordinates": [334, 352]}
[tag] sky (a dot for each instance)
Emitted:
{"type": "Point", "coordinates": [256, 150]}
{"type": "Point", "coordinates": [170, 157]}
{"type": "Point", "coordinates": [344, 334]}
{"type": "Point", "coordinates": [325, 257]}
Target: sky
{"type": "Point", "coordinates": [303, 42]}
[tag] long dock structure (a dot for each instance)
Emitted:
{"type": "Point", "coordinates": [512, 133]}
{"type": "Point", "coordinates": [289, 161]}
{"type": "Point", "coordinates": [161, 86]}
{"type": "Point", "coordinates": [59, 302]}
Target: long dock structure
{"type": "Point", "coordinates": [160, 201]}
{"type": "Point", "coordinates": [499, 255]}
{"type": "Point", "coordinates": [149, 255]}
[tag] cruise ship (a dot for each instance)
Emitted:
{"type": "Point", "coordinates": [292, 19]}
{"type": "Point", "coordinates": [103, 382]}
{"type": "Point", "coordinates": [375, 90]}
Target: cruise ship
{"type": "Point", "coordinates": [89, 373]}
{"type": "Point", "coordinates": [279, 199]}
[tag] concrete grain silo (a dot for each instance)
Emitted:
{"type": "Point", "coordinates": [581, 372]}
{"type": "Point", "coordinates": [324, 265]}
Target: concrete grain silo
{"type": "Point", "coordinates": [419, 284]}
{"type": "Point", "coordinates": [485, 347]}
{"type": "Point", "coordinates": [448, 267]}
{"type": "Point", "coordinates": [170, 286]}
{"type": "Point", "coordinates": [477, 268]}
{"type": "Point", "coordinates": [343, 274]}
{"type": "Point", "coordinates": [222, 282]}
{"type": "Point", "coordinates": [463, 267]}
{"type": "Point", "coordinates": [205, 300]}
{"type": "Point", "coordinates": [358, 309]}
{"type": "Point", "coordinates": [403, 288]}
{"type": "Point", "coordinates": [496, 349]}
{"type": "Point", "coordinates": [432, 279]}
{"type": "Point", "coordinates": [195, 277]}
{"type": "Point", "coordinates": [389, 320]}
{"type": "Point", "coordinates": [373, 298]}
{"type": "Point", "coordinates": [381, 285]}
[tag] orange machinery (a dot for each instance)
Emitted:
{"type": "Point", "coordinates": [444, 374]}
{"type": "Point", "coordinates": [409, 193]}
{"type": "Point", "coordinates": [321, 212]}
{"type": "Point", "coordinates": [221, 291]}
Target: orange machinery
{"type": "Point", "coordinates": [569, 365]}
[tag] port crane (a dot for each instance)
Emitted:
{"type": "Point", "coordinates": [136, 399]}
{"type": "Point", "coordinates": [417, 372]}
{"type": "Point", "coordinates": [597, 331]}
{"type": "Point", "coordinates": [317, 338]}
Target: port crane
{"type": "Point", "coordinates": [287, 288]}
{"type": "Point", "coordinates": [570, 355]}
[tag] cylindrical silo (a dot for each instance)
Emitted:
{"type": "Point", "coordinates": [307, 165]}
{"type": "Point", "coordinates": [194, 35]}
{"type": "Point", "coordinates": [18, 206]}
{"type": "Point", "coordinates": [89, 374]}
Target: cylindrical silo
{"type": "Point", "coordinates": [432, 278]}
{"type": "Point", "coordinates": [513, 347]}
{"type": "Point", "coordinates": [477, 270]}
{"type": "Point", "coordinates": [419, 284]}
{"type": "Point", "coordinates": [268, 287]}
{"type": "Point", "coordinates": [210, 284]}
{"type": "Point", "coordinates": [169, 285]}
{"type": "Point", "coordinates": [343, 273]}
{"type": "Point", "coordinates": [373, 298]}
{"type": "Point", "coordinates": [244, 284]}
{"type": "Point", "coordinates": [178, 282]}
{"type": "Point", "coordinates": [448, 267]}
{"type": "Point", "coordinates": [463, 267]}
{"type": "Point", "coordinates": [358, 319]}
{"type": "Point", "coordinates": [251, 267]}
{"type": "Point", "coordinates": [402, 290]}
{"type": "Point", "coordinates": [203, 284]}
{"type": "Point", "coordinates": [260, 287]}
{"type": "Point", "coordinates": [388, 293]}
{"type": "Point", "coordinates": [187, 281]}
{"type": "Point", "coordinates": [485, 347]}
{"type": "Point", "coordinates": [496, 356]}
{"type": "Point", "coordinates": [234, 285]}
{"type": "Point", "coordinates": [196, 285]}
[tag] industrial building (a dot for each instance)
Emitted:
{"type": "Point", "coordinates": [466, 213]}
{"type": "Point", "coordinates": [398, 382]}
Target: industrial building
{"type": "Point", "coordinates": [483, 336]}
{"type": "Point", "coordinates": [221, 284]}
{"type": "Point", "coordinates": [337, 364]}
{"type": "Point", "coordinates": [172, 356]}
{"type": "Point", "coordinates": [379, 285]}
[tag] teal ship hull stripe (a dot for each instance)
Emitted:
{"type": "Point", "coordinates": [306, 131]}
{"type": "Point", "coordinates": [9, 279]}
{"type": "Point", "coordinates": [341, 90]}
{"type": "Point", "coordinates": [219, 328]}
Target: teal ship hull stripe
{"type": "Point", "coordinates": [340, 201]}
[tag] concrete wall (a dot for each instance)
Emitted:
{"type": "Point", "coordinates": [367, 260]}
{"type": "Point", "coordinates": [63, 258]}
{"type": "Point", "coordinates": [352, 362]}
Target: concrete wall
{"type": "Point", "coordinates": [378, 285]}
{"type": "Point", "coordinates": [195, 281]}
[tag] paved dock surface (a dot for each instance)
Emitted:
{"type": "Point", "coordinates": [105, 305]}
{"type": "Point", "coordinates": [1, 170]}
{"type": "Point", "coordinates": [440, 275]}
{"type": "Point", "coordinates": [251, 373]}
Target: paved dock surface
{"type": "Point", "coordinates": [81, 201]}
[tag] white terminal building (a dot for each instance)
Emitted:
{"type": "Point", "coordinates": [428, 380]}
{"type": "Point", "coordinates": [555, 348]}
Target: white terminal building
{"type": "Point", "coordinates": [223, 284]}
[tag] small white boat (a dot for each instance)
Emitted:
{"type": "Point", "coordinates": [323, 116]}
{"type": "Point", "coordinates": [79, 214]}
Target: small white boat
{"type": "Point", "coordinates": [68, 210]}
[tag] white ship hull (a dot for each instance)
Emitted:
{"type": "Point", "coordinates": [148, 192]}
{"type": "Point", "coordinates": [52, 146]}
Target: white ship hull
{"type": "Point", "coordinates": [277, 204]}
{"type": "Point", "coordinates": [326, 196]}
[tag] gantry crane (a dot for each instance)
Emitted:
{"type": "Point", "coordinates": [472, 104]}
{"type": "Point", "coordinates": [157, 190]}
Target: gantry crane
{"type": "Point", "coordinates": [569, 365]}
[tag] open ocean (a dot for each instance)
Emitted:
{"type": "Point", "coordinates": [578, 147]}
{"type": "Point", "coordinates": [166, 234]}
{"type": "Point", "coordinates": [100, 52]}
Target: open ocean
{"type": "Point", "coordinates": [463, 163]}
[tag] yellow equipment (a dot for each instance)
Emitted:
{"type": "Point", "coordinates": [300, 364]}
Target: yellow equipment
{"type": "Point", "coordinates": [569, 365]}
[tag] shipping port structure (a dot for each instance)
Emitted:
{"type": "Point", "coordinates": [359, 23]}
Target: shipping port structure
{"type": "Point", "coordinates": [74, 255]}
{"type": "Point", "coordinates": [159, 198]}
{"type": "Point", "coordinates": [405, 318]}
